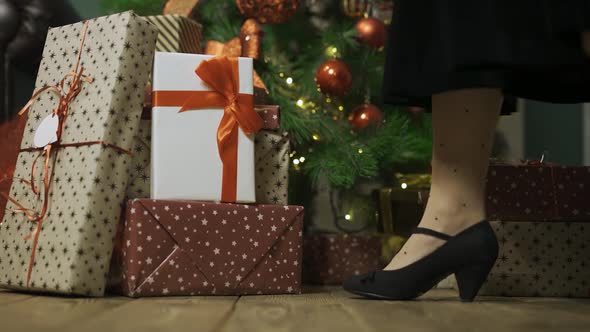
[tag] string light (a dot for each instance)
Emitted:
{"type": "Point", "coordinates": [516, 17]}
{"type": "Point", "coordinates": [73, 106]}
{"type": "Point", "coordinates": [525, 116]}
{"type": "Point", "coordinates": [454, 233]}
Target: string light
{"type": "Point", "coordinates": [295, 161]}
{"type": "Point", "coordinates": [302, 159]}
{"type": "Point", "coordinates": [404, 185]}
{"type": "Point", "coordinates": [282, 75]}
{"type": "Point", "coordinates": [313, 111]}
{"type": "Point", "coordinates": [328, 100]}
{"type": "Point", "coordinates": [292, 154]}
{"type": "Point", "coordinates": [360, 151]}
{"type": "Point", "coordinates": [315, 137]}
{"type": "Point", "coordinates": [289, 80]}
{"type": "Point", "coordinates": [348, 217]}
{"type": "Point", "coordinates": [300, 103]}
{"type": "Point", "coordinates": [341, 108]}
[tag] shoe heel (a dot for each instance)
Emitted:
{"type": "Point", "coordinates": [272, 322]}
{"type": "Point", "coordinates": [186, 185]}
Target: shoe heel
{"type": "Point", "coordinates": [471, 278]}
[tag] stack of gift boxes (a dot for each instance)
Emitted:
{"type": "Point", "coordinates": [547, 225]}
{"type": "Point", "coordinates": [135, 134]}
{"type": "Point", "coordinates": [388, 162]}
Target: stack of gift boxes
{"type": "Point", "coordinates": [541, 217]}
{"type": "Point", "coordinates": [187, 199]}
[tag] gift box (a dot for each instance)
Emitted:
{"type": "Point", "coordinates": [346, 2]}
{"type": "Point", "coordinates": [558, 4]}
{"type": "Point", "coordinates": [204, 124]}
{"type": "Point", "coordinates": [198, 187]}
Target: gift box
{"type": "Point", "coordinates": [330, 259]}
{"type": "Point", "coordinates": [139, 170]}
{"type": "Point", "coordinates": [548, 259]}
{"type": "Point", "coordinates": [203, 119]}
{"type": "Point", "coordinates": [11, 133]}
{"type": "Point", "coordinates": [272, 149]}
{"type": "Point", "coordinates": [177, 34]}
{"type": "Point", "coordinates": [80, 128]}
{"type": "Point", "coordinates": [200, 248]}
{"type": "Point", "coordinates": [400, 210]}
{"type": "Point", "coordinates": [534, 191]}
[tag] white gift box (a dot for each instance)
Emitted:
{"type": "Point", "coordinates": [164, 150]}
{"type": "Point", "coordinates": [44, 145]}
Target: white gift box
{"type": "Point", "coordinates": [185, 157]}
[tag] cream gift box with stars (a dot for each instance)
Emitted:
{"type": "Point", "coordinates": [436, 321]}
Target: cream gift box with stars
{"type": "Point", "coordinates": [87, 169]}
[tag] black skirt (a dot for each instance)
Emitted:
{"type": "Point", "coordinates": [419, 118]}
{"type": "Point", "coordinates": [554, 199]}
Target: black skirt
{"type": "Point", "coordinates": [528, 48]}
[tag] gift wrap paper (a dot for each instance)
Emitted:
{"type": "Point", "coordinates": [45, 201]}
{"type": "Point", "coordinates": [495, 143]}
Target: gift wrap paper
{"type": "Point", "coordinates": [538, 192]}
{"type": "Point", "coordinates": [549, 259]}
{"type": "Point", "coordinates": [177, 34]}
{"type": "Point", "coordinates": [89, 182]}
{"type": "Point", "coordinates": [197, 248]}
{"type": "Point", "coordinates": [330, 259]}
{"type": "Point", "coordinates": [139, 169]}
{"type": "Point", "coordinates": [185, 156]}
{"type": "Point", "coordinates": [272, 167]}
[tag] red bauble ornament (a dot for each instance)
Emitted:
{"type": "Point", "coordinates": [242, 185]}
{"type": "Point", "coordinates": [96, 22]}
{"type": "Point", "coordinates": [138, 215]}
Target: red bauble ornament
{"type": "Point", "coordinates": [334, 78]}
{"type": "Point", "coordinates": [268, 11]}
{"type": "Point", "coordinates": [365, 116]}
{"type": "Point", "coordinates": [372, 32]}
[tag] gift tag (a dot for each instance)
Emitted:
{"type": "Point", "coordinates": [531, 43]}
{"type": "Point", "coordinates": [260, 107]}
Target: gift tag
{"type": "Point", "coordinates": [46, 132]}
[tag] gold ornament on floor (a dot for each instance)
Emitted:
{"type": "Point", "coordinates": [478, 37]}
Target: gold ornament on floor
{"type": "Point", "coordinates": [268, 11]}
{"type": "Point", "coordinates": [355, 8]}
{"type": "Point", "coordinates": [334, 78]}
{"type": "Point", "coordinates": [365, 116]}
{"type": "Point", "coordinates": [372, 32]}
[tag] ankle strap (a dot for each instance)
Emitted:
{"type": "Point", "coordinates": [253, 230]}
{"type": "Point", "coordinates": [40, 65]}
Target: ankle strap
{"type": "Point", "coordinates": [426, 231]}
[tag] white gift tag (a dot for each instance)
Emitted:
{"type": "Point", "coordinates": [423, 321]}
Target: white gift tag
{"type": "Point", "coordinates": [46, 132]}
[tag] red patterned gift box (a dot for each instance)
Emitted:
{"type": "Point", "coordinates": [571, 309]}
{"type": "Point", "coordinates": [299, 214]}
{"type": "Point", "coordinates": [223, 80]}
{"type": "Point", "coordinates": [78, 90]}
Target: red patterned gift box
{"type": "Point", "coordinates": [534, 191]}
{"type": "Point", "coordinates": [198, 248]}
{"type": "Point", "coordinates": [329, 259]}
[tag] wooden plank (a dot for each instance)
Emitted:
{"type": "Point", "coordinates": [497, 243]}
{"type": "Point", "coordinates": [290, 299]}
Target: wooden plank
{"type": "Point", "coordinates": [316, 310]}
{"type": "Point", "coordinates": [20, 312]}
{"type": "Point", "coordinates": [165, 314]}
{"type": "Point", "coordinates": [441, 311]}
{"type": "Point", "coordinates": [319, 309]}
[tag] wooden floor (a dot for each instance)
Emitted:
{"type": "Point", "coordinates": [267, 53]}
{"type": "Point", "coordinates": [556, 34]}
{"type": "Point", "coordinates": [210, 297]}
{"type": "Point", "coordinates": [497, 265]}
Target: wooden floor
{"type": "Point", "coordinates": [319, 309]}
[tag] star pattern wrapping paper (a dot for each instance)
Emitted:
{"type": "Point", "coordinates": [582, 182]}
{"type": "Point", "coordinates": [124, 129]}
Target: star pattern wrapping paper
{"type": "Point", "coordinates": [330, 259]}
{"type": "Point", "coordinates": [272, 148]}
{"type": "Point", "coordinates": [199, 248]}
{"type": "Point", "coordinates": [88, 182]}
{"type": "Point", "coordinates": [548, 259]}
{"type": "Point", "coordinates": [538, 192]}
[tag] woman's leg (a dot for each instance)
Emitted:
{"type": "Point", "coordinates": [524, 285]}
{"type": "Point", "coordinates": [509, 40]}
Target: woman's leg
{"type": "Point", "coordinates": [464, 122]}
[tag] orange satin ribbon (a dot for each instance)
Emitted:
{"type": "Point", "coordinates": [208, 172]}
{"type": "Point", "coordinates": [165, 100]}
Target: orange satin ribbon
{"type": "Point", "coordinates": [248, 45]}
{"type": "Point", "coordinates": [221, 74]}
{"type": "Point", "coordinates": [65, 97]}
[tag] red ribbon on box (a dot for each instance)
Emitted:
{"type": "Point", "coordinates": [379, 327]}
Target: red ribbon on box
{"type": "Point", "coordinates": [221, 74]}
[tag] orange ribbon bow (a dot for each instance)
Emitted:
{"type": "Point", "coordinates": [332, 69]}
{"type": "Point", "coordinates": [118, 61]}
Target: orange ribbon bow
{"type": "Point", "coordinates": [221, 74]}
{"type": "Point", "coordinates": [248, 45]}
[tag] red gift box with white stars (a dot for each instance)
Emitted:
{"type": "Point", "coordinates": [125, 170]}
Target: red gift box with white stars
{"type": "Point", "coordinates": [201, 248]}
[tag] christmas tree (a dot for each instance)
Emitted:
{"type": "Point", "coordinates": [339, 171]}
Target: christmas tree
{"type": "Point", "coordinates": [322, 62]}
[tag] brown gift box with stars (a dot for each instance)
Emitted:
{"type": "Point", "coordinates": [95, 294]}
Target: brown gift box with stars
{"type": "Point", "coordinates": [271, 152]}
{"type": "Point", "coordinates": [201, 248]}
{"type": "Point", "coordinates": [536, 191]}
{"type": "Point", "coordinates": [80, 180]}
{"type": "Point", "coordinates": [330, 259]}
{"type": "Point", "coordinates": [541, 216]}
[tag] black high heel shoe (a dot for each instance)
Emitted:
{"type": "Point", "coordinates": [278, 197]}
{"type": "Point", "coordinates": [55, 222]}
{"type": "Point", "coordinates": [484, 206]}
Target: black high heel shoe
{"type": "Point", "coordinates": [470, 255]}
